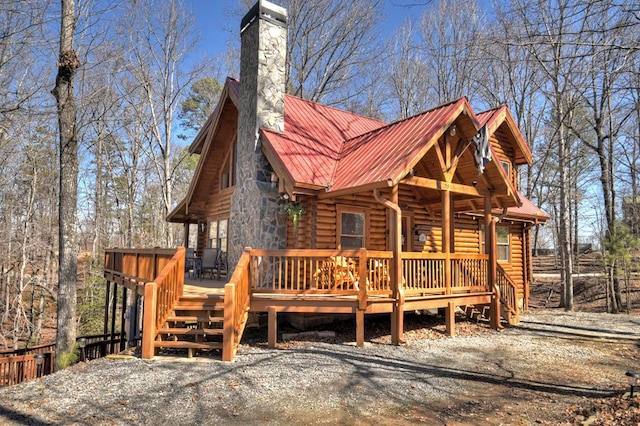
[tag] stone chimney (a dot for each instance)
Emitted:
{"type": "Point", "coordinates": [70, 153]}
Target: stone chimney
{"type": "Point", "coordinates": [254, 220]}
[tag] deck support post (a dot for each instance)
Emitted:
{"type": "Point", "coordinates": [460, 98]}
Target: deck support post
{"type": "Point", "coordinates": [114, 307]}
{"type": "Point", "coordinates": [149, 320]}
{"type": "Point", "coordinates": [228, 326]}
{"type": "Point", "coordinates": [450, 319]}
{"type": "Point", "coordinates": [272, 327]}
{"type": "Point", "coordinates": [359, 328]}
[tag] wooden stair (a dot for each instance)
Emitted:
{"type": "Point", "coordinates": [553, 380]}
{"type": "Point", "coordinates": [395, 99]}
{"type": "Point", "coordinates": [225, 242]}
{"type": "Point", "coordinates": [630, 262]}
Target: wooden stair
{"type": "Point", "coordinates": [196, 323]}
{"type": "Point", "coordinates": [482, 313]}
{"type": "Point", "coordinates": [478, 313]}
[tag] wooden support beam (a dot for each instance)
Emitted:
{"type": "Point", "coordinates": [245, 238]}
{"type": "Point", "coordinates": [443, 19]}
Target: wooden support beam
{"type": "Point", "coordinates": [437, 185]}
{"type": "Point", "coordinates": [450, 321]}
{"type": "Point", "coordinates": [272, 326]}
{"type": "Point", "coordinates": [114, 307]}
{"type": "Point", "coordinates": [492, 270]}
{"type": "Point", "coordinates": [123, 329]}
{"type": "Point", "coordinates": [149, 320]}
{"type": "Point", "coordinates": [228, 327]}
{"type": "Point", "coordinates": [446, 226]}
{"type": "Point", "coordinates": [359, 328]}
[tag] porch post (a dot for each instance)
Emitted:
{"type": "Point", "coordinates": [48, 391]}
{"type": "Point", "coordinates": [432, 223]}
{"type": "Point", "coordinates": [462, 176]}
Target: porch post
{"type": "Point", "coordinates": [447, 233]}
{"type": "Point", "coordinates": [491, 250]}
{"type": "Point", "coordinates": [186, 235]}
{"type": "Point", "coordinates": [397, 319]}
{"type": "Point", "coordinates": [446, 238]}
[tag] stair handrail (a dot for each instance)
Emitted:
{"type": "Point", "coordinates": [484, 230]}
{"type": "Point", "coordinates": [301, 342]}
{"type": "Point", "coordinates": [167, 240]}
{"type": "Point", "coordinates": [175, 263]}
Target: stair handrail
{"type": "Point", "coordinates": [508, 295]}
{"type": "Point", "coordinates": [160, 296]}
{"type": "Point", "coordinates": [237, 301]}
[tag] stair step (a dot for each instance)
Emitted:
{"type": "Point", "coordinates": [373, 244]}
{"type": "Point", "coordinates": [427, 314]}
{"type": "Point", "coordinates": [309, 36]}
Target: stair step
{"type": "Point", "coordinates": [197, 309]}
{"type": "Point", "coordinates": [195, 318]}
{"type": "Point", "coordinates": [191, 331]}
{"type": "Point", "coordinates": [208, 306]}
{"type": "Point", "coordinates": [187, 345]}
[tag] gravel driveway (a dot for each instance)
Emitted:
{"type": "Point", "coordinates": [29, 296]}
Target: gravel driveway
{"type": "Point", "coordinates": [536, 373]}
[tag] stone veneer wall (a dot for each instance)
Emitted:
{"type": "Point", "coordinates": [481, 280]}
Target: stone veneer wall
{"type": "Point", "coordinates": [255, 217]}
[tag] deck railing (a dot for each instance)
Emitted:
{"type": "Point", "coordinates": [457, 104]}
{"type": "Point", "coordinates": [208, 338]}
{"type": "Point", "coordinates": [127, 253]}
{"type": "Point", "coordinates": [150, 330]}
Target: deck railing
{"type": "Point", "coordinates": [134, 267]}
{"type": "Point", "coordinates": [508, 296]}
{"type": "Point", "coordinates": [307, 271]}
{"type": "Point", "coordinates": [236, 306]}
{"type": "Point", "coordinates": [340, 272]}
{"type": "Point", "coordinates": [17, 366]}
{"type": "Point", "coordinates": [160, 296]}
{"type": "Point", "coordinates": [426, 273]}
{"type": "Point", "coordinates": [20, 368]}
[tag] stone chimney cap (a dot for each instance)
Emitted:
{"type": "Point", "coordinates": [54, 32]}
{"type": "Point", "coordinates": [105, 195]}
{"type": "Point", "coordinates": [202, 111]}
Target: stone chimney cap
{"type": "Point", "coordinates": [265, 10]}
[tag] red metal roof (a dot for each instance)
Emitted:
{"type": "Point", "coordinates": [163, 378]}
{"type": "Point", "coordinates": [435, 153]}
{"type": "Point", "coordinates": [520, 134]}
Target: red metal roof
{"type": "Point", "coordinates": [527, 210]}
{"type": "Point", "coordinates": [386, 154]}
{"type": "Point", "coordinates": [313, 137]}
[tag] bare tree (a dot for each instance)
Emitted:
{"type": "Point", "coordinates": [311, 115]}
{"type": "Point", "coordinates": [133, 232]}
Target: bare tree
{"type": "Point", "coordinates": [550, 32]}
{"type": "Point", "coordinates": [330, 42]}
{"type": "Point", "coordinates": [407, 72]}
{"type": "Point", "coordinates": [68, 64]}
{"type": "Point", "coordinates": [160, 41]}
{"type": "Point", "coordinates": [607, 54]}
{"type": "Point", "coordinates": [451, 35]}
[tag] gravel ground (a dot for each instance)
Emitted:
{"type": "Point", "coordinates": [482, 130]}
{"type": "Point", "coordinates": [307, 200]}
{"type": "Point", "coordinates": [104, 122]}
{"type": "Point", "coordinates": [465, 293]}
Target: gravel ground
{"type": "Point", "coordinates": [550, 370]}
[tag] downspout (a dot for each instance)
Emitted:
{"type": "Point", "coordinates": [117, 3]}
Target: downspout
{"type": "Point", "coordinates": [397, 291]}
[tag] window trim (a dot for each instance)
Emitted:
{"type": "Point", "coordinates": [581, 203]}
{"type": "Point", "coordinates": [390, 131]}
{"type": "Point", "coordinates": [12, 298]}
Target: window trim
{"type": "Point", "coordinates": [498, 244]}
{"type": "Point", "coordinates": [218, 237]}
{"type": "Point", "coordinates": [340, 210]}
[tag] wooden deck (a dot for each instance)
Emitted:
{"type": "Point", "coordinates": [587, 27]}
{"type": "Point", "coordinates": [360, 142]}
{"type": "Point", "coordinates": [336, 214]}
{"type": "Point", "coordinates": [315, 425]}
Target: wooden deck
{"type": "Point", "coordinates": [181, 311]}
{"type": "Point", "coordinates": [194, 287]}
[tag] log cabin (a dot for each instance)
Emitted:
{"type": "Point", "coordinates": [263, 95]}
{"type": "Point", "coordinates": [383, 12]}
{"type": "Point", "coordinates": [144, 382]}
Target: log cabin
{"type": "Point", "coordinates": [317, 210]}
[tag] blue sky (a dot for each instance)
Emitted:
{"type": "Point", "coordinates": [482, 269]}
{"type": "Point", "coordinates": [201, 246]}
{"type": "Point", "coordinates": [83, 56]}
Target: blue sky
{"type": "Point", "coordinates": [216, 23]}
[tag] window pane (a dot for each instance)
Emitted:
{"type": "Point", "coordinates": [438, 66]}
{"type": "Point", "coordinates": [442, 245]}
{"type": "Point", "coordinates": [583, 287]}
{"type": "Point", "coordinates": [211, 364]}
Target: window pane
{"type": "Point", "coordinates": [503, 253]}
{"type": "Point", "coordinates": [213, 234]}
{"type": "Point", "coordinates": [352, 224]}
{"type": "Point", "coordinates": [502, 234]}
{"type": "Point", "coordinates": [351, 242]}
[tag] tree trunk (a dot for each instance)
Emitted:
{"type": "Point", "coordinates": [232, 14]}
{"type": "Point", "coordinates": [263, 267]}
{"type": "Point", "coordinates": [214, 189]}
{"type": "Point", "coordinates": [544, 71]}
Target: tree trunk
{"type": "Point", "coordinates": [68, 64]}
{"type": "Point", "coordinates": [565, 230]}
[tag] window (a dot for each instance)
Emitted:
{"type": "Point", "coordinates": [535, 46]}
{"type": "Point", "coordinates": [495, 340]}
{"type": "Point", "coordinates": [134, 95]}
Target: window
{"type": "Point", "coordinates": [503, 242]}
{"type": "Point", "coordinates": [218, 234]}
{"type": "Point", "coordinates": [351, 229]}
{"type": "Point", "coordinates": [507, 168]}
{"type": "Point", "coordinates": [228, 170]}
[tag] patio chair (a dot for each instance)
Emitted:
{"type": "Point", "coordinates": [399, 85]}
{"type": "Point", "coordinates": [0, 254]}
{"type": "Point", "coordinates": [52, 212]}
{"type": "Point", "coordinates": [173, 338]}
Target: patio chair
{"type": "Point", "coordinates": [209, 261]}
{"type": "Point", "coordinates": [221, 262]}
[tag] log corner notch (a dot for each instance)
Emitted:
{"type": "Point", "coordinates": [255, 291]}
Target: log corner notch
{"type": "Point", "coordinates": [397, 317]}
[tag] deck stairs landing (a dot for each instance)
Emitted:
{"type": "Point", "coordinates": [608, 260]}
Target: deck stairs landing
{"type": "Point", "coordinates": [196, 323]}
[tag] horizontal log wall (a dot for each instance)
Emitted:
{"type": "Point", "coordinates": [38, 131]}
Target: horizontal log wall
{"type": "Point", "coordinates": [504, 152]}
{"type": "Point", "coordinates": [318, 227]}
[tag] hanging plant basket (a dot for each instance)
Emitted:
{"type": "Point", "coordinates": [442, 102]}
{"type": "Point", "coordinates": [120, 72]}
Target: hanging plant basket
{"type": "Point", "coordinates": [295, 210]}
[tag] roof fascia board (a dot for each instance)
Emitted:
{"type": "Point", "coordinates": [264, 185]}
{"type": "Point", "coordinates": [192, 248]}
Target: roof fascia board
{"type": "Point", "coordinates": [356, 189]}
